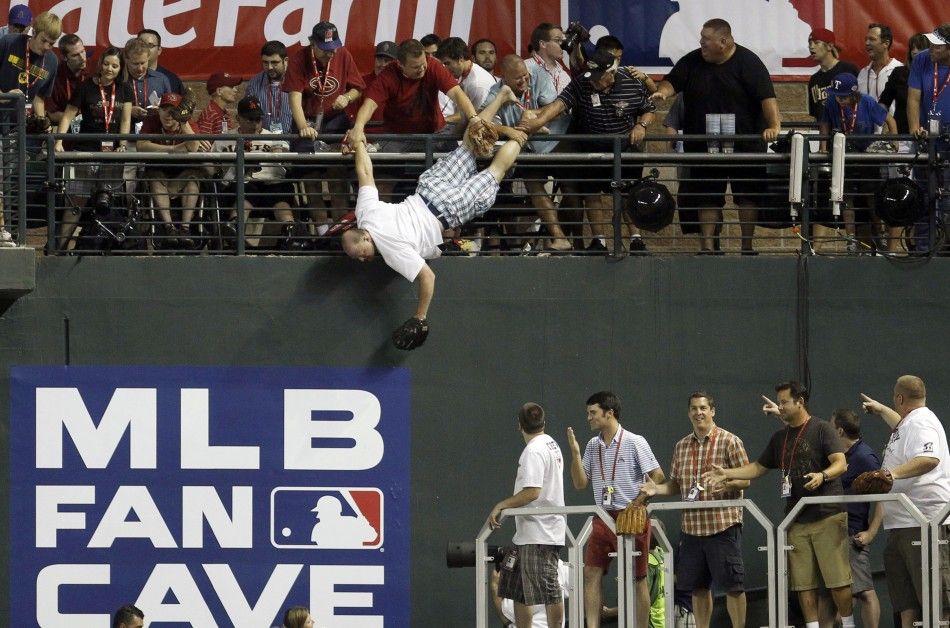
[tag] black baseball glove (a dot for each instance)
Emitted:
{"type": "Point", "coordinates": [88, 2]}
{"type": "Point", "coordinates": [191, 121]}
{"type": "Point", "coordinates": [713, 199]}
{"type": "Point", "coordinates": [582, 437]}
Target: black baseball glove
{"type": "Point", "coordinates": [411, 334]}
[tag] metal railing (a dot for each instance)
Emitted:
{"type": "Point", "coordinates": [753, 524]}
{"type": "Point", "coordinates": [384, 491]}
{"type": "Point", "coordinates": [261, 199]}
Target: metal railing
{"type": "Point", "coordinates": [13, 156]}
{"type": "Point", "coordinates": [938, 540]}
{"type": "Point", "coordinates": [776, 549]}
{"type": "Point", "coordinates": [626, 595]}
{"type": "Point", "coordinates": [747, 505]}
{"type": "Point", "coordinates": [551, 201]}
{"type": "Point", "coordinates": [781, 533]}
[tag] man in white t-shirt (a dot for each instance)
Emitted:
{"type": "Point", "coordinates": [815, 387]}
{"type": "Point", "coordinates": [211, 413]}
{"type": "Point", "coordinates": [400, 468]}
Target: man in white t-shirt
{"type": "Point", "coordinates": [529, 572]}
{"type": "Point", "coordinates": [449, 194]}
{"type": "Point", "coordinates": [918, 460]}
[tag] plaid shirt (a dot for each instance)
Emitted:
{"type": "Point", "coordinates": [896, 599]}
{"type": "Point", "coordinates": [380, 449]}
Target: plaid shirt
{"type": "Point", "coordinates": [455, 188]}
{"type": "Point", "coordinates": [692, 457]}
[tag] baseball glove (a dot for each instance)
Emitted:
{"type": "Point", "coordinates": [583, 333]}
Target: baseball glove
{"type": "Point", "coordinates": [482, 137]}
{"type": "Point", "coordinates": [36, 125]}
{"type": "Point", "coordinates": [633, 519]}
{"type": "Point", "coordinates": [411, 334]}
{"type": "Point", "coordinates": [873, 482]}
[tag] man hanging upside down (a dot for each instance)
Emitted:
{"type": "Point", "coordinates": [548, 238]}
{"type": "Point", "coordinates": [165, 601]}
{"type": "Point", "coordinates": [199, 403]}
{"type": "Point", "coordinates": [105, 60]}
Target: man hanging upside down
{"type": "Point", "coordinates": [449, 194]}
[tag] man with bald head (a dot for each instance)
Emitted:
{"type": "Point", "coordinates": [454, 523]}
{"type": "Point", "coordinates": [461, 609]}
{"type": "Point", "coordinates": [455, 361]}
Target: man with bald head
{"type": "Point", "coordinates": [917, 458]}
{"type": "Point", "coordinates": [534, 89]}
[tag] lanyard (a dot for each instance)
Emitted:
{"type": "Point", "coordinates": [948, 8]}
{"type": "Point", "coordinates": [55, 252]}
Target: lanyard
{"type": "Point", "coordinates": [135, 92]}
{"type": "Point", "coordinates": [321, 86]}
{"type": "Point", "coordinates": [709, 450]}
{"type": "Point", "coordinates": [600, 453]}
{"type": "Point", "coordinates": [273, 101]}
{"type": "Point", "coordinates": [854, 119]}
{"type": "Point", "coordinates": [26, 67]}
{"type": "Point", "coordinates": [938, 94]}
{"type": "Point", "coordinates": [525, 102]}
{"type": "Point", "coordinates": [555, 78]}
{"type": "Point", "coordinates": [107, 112]}
{"type": "Point", "coordinates": [787, 469]}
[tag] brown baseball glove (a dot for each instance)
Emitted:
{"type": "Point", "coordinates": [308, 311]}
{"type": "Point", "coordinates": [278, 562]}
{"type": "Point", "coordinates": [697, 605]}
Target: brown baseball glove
{"type": "Point", "coordinates": [481, 137]}
{"type": "Point", "coordinates": [633, 519]}
{"type": "Point", "coordinates": [873, 482]}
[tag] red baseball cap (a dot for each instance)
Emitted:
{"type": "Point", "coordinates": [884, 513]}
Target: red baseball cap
{"type": "Point", "coordinates": [222, 79]}
{"type": "Point", "coordinates": [170, 99]}
{"type": "Point", "coordinates": [822, 34]}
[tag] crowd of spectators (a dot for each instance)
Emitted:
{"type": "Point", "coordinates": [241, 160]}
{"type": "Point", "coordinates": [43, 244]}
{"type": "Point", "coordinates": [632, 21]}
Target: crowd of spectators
{"type": "Point", "coordinates": [434, 86]}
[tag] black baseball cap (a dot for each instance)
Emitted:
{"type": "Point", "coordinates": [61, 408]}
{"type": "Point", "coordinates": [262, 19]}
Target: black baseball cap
{"type": "Point", "coordinates": [249, 108]}
{"type": "Point", "coordinates": [599, 63]}
{"type": "Point", "coordinates": [386, 49]}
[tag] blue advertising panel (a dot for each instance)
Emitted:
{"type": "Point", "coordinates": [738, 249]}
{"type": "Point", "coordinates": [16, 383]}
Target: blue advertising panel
{"type": "Point", "coordinates": [209, 496]}
{"type": "Point", "coordinates": [658, 33]}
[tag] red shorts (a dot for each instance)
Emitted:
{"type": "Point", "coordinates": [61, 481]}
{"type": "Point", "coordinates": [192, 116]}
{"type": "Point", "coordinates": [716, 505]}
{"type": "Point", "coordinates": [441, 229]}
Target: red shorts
{"type": "Point", "coordinates": [602, 541]}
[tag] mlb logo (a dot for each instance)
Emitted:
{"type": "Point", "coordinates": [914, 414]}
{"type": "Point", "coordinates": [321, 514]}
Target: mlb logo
{"type": "Point", "coordinates": [320, 518]}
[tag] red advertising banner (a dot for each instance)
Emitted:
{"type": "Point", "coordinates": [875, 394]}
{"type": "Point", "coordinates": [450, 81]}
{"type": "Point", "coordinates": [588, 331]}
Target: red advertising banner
{"type": "Point", "coordinates": [200, 37]}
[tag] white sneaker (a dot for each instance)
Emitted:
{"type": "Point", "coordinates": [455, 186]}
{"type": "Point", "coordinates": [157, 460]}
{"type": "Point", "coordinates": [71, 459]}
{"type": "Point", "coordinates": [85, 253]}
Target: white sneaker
{"type": "Point", "coordinates": [6, 239]}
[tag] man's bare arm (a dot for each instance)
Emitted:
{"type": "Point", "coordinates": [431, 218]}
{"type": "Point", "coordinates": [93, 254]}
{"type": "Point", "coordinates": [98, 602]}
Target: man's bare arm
{"type": "Point", "coordinates": [426, 280]}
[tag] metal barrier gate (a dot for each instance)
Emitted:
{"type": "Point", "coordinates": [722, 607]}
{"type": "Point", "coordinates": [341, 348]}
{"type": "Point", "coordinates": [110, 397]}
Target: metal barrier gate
{"type": "Point", "coordinates": [745, 504]}
{"type": "Point", "coordinates": [782, 544]}
{"type": "Point", "coordinates": [626, 601]}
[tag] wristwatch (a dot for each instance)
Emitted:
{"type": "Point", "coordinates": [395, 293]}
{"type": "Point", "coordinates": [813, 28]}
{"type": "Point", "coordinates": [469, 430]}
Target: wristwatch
{"type": "Point", "coordinates": [824, 477]}
{"type": "Point", "coordinates": [643, 124]}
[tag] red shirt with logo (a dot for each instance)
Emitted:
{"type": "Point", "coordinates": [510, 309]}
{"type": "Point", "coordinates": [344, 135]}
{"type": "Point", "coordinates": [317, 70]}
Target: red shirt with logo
{"type": "Point", "coordinates": [331, 82]}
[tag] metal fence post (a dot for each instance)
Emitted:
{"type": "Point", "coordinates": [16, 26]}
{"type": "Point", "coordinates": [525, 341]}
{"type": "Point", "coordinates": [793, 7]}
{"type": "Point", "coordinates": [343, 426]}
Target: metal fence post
{"type": "Point", "coordinates": [781, 533]}
{"type": "Point", "coordinates": [625, 607]}
{"type": "Point", "coordinates": [753, 510]}
{"type": "Point", "coordinates": [937, 541]}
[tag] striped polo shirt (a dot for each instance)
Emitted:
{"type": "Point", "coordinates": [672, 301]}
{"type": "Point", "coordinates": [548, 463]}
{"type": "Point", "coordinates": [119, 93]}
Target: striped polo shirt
{"type": "Point", "coordinates": [611, 112]}
{"type": "Point", "coordinates": [635, 460]}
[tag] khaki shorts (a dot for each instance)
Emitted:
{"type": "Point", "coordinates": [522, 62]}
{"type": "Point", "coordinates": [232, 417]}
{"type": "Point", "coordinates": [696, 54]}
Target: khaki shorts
{"type": "Point", "coordinates": [902, 567]}
{"type": "Point", "coordinates": [819, 547]}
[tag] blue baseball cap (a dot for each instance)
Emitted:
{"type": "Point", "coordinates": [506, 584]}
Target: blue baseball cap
{"type": "Point", "coordinates": [326, 37]}
{"type": "Point", "coordinates": [20, 15]}
{"type": "Point", "coordinates": [845, 84]}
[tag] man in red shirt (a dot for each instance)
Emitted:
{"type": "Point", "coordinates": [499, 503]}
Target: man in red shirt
{"type": "Point", "coordinates": [321, 81]}
{"type": "Point", "coordinates": [409, 89]}
{"type": "Point", "coordinates": [71, 72]}
{"type": "Point", "coordinates": [385, 54]}
{"type": "Point", "coordinates": [215, 119]}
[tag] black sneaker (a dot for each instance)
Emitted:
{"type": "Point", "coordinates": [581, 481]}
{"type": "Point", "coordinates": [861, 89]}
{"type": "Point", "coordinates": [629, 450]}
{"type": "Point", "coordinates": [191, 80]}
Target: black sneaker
{"type": "Point", "coordinates": [596, 247]}
{"type": "Point", "coordinates": [185, 241]}
{"type": "Point", "coordinates": [168, 236]}
{"type": "Point", "coordinates": [638, 247]}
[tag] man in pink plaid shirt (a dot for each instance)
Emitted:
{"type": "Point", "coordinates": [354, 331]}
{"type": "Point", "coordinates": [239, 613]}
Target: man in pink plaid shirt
{"type": "Point", "coordinates": [710, 548]}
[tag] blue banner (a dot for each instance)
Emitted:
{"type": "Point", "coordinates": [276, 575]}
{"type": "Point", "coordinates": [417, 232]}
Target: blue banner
{"type": "Point", "coordinates": [209, 496]}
